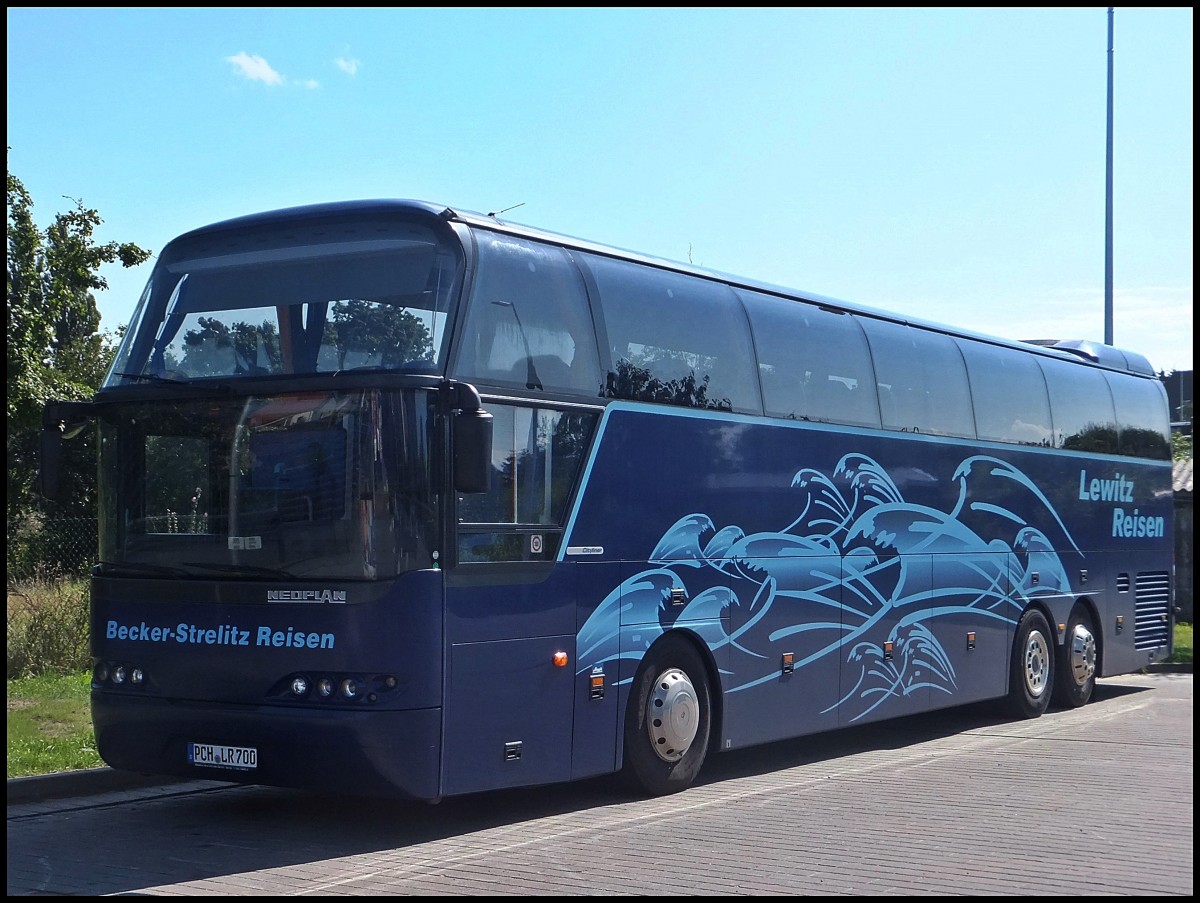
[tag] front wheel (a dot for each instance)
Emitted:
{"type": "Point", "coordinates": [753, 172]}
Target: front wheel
{"type": "Point", "coordinates": [1031, 674]}
{"type": "Point", "coordinates": [667, 720]}
{"type": "Point", "coordinates": [1075, 676]}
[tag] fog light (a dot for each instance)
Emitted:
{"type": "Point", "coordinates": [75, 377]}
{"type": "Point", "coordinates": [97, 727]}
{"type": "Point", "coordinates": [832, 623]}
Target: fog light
{"type": "Point", "coordinates": [136, 676]}
{"type": "Point", "coordinates": [299, 686]}
{"type": "Point", "coordinates": [118, 674]}
{"type": "Point", "coordinates": [325, 686]}
{"type": "Point", "coordinates": [349, 688]}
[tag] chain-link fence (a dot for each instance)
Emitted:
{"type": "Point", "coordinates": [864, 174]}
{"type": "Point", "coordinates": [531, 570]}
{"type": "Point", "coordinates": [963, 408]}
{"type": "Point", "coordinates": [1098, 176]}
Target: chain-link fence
{"type": "Point", "coordinates": [38, 545]}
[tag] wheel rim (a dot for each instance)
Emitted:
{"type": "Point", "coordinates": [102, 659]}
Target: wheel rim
{"type": "Point", "coordinates": [673, 715]}
{"type": "Point", "coordinates": [1037, 661]}
{"type": "Point", "coordinates": [1083, 654]}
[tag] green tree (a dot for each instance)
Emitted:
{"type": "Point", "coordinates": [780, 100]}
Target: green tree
{"type": "Point", "coordinates": [390, 335]}
{"type": "Point", "coordinates": [1181, 446]}
{"type": "Point", "coordinates": [55, 349]}
{"type": "Point", "coordinates": [640, 384]}
{"type": "Point", "coordinates": [216, 348]}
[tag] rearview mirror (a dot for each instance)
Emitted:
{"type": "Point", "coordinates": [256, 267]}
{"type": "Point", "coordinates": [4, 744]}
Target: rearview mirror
{"type": "Point", "coordinates": [60, 420]}
{"type": "Point", "coordinates": [472, 442]}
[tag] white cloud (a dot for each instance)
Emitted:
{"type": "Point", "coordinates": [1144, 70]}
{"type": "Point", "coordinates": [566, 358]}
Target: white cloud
{"type": "Point", "coordinates": [255, 68]}
{"type": "Point", "coordinates": [311, 84]}
{"type": "Point", "coordinates": [350, 67]}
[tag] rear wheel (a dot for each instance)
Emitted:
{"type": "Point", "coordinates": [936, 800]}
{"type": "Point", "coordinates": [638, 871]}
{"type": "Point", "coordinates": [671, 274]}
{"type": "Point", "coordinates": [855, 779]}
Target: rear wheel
{"type": "Point", "coordinates": [667, 720]}
{"type": "Point", "coordinates": [1031, 674]}
{"type": "Point", "coordinates": [1075, 675]}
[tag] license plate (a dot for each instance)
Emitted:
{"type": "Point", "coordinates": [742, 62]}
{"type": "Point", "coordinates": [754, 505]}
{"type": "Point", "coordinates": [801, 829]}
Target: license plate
{"type": "Point", "coordinates": [212, 755]}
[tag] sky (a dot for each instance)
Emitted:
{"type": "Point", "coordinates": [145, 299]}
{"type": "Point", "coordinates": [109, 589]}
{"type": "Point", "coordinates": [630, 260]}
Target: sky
{"type": "Point", "coordinates": [944, 164]}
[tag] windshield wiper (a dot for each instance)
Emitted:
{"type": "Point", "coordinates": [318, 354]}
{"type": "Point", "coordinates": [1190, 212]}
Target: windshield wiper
{"type": "Point", "coordinates": [169, 381]}
{"type": "Point", "coordinates": [131, 568]}
{"type": "Point", "coordinates": [240, 570]}
{"type": "Point", "coordinates": [155, 378]}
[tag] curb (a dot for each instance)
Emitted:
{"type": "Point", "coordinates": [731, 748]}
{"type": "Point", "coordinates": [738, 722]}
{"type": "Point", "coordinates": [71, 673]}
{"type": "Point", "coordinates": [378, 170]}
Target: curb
{"type": "Point", "coordinates": [85, 782]}
{"type": "Point", "coordinates": [1168, 668]}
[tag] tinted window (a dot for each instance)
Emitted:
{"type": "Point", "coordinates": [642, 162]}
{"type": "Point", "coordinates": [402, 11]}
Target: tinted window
{"type": "Point", "coordinates": [1143, 420]}
{"type": "Point", "coordinates": [331, 485]}
{"type": "Point", "coordinates": [528, 324]}
{"type": "Point", "coordinates": [1009, 394]}
{"type": "Point", "coordinates": [536, 456]}
{"type": "Point", "coordinates": [674, 338]}
{"type": "Point", "coordinates": [315, 296]}
{"type": "Point", "coordinates": [1081, 407]}
{"type": "Point", "coordinates": [814, 364]}
{"type": "Point", "coordinates": [922, 380]}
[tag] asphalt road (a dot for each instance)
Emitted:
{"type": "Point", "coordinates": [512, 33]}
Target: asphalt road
{"type": "Point", "coordinates": [1094, 801]}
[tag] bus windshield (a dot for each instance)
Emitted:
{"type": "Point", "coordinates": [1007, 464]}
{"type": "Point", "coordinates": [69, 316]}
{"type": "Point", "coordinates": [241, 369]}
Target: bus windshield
{"type": "Point", "coordinates": [334, 485]}
{"type": "Point", "coordinates": [275, 299]}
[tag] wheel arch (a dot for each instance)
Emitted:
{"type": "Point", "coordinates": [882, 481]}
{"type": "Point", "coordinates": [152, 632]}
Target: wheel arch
{"type": "Point", "coordinates": [1048, 611]}
{"type": "Point", "coordinates": [716, 695]}
{"type": "Point", "coordinates": [1088, 604]}
{"type": "Point", "coordinates": [1058, 610]}
{"type": "Point", "coordinates": [712, 674]}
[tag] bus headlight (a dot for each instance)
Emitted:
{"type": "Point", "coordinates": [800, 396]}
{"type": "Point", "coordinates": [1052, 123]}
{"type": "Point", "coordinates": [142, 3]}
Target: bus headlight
{"type": "Point", "coordinates": [350, 688]}
{"type": "Point", "coordinates": [325, 687]}
{"type": "Point", "coordinates": [299, 686]}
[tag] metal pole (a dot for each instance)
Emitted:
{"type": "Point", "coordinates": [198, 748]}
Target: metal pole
{"type": "Point", "coordinates": [1108, 199]}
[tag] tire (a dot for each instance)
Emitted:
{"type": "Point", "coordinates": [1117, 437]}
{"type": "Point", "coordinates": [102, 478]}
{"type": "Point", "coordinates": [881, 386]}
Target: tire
{"type": "Point", "coordinates": [1075, 674]}
{"type": "Point", "coordinates": [1031, 672]}
{"type": "Point", "coordinates": [668, 719]}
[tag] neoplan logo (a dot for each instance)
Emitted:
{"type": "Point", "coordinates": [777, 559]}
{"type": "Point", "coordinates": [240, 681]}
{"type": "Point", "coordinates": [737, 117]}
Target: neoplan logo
{"type": "Point", "coordinates": [306, 595]}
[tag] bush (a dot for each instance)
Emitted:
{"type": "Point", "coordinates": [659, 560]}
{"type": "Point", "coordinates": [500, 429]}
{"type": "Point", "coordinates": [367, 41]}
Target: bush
{"type": "Point", "coordinates": [1183, 644]}
{"type": "Point", "coordinates": [23, 545]}
{"type": "Point", "coordinates": [38, 544]}
{"type": "Point", "coordinates": [48, 627]}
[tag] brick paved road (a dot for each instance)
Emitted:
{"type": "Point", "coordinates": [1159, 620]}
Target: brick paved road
{"type": "Point", "coordinates": [1092, 801]}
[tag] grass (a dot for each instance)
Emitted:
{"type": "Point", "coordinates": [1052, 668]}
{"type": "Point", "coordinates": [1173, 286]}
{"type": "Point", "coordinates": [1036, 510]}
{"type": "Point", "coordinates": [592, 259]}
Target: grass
{"type": "Point", "coordinates": [48, 670]}
{"type": "Point", "coordinates": [1183, 644]}
{"type": "Point", "coordinates": [49, 725]}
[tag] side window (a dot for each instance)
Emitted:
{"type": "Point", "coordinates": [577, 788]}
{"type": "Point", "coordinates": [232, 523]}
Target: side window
{"type": "Point", "coordinates": [1143, 419]}
{"type": "Point", "coordinates": [537, 454]}
{"type": "Point", "coordinates": [528, 324]}
{"type": "Point", "coordinates": [1081, 406]}
{"type": "Point", "coordinates": [673, 338]}
{"type": "Point", "coordinates": [922, 380]}
{"type": "Point", "coordinates": [1009, 394]}
{"type": "Point", "coordinates": [814, 364]}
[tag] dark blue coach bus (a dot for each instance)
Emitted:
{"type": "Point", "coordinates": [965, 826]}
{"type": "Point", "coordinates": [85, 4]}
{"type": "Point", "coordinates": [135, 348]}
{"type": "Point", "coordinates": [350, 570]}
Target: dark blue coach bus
{"type": "Point", "coordinates": [398, 499]}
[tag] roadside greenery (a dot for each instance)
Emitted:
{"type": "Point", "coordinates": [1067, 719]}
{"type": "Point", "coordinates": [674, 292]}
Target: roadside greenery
{"type": "Point", "coordinates": [49, 725]}
{"type": "Point", "coordinates": [1183, 644]}
{"type": "Point", "coordinates": [47, 628]}
{"type": "Point", "coordinates": [55, 351]}
{"type": "Point", "coordinates": [1181, 446]}
{"type": "Point", "coordinates": [49, 677]}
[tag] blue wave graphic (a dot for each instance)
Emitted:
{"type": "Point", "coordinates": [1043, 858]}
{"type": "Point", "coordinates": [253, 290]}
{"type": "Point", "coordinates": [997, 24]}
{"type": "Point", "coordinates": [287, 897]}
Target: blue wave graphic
{"type": "Point", "coordinates": [859, 574]}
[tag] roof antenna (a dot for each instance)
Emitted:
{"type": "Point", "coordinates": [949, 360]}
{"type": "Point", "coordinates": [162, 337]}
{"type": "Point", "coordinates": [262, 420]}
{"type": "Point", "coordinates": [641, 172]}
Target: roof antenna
{"type": "Point", "coordinates": [506, 209]}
